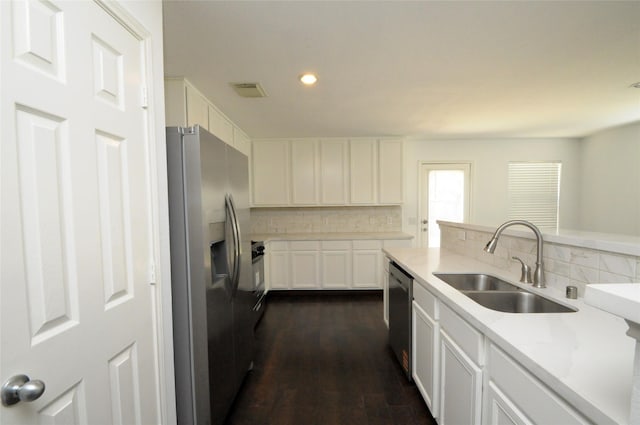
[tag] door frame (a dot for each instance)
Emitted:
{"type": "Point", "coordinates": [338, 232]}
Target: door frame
{"type": "Point", "coordinates": [160, 263]}
{"type": "Point", "coordinates": [441, 163]}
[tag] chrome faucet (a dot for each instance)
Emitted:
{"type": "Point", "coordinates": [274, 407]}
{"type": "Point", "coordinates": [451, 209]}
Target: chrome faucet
{"type": "Point", "coordinates": [538, 274]}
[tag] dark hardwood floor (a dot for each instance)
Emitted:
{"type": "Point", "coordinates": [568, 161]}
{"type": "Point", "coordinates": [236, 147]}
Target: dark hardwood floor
{"type": "Point", "coordinates": [323, 359]}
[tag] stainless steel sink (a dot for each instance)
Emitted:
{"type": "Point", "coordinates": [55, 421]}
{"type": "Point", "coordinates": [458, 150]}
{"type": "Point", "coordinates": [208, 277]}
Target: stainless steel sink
{"type": "Point", "coordinates": [517, 302]}
{"type": "Point", "coordinates": [476, 282]}
{"type": "Point", "coordinates": [497, 294]}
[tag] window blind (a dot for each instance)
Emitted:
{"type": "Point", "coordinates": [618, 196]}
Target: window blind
{"type": "Point", "coordinates": [534, 192]}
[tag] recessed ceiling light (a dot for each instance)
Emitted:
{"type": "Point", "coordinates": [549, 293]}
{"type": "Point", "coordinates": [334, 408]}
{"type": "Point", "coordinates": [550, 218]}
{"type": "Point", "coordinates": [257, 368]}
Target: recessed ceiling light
{"type": "Point", "coordinates": [635, 85]}
{"type": "Point", "coordinates": [308, 79]}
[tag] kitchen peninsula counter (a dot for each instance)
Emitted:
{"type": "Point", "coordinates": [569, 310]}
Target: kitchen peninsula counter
{"type": "Point", "coordinates": [585, 357]}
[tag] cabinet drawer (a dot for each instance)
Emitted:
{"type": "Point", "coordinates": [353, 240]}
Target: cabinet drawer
{"type": "Point", "coordinates": [304, 245]}
{"type": "Point", "coordinates": [426, 300]}
{"type": "Point", "coordinates": [336, 245]}
{"type": "Point", "coordinates": [534, 399]}
{"type": "Point", "coordinates": [466, 336]}
{"type": "Point", "coordinates": [360, 244]}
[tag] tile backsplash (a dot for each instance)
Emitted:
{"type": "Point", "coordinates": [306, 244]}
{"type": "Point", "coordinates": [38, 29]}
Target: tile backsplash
{"type": "Point", "coordinates": [563, 264]}
{"type": "Point", "coordinates": [326, 219]}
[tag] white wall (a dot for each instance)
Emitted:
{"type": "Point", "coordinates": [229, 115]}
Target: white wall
{"type": "Point", "coordinates": [489, 159]}
{"type": "Point", "coordinates": [610, 191]}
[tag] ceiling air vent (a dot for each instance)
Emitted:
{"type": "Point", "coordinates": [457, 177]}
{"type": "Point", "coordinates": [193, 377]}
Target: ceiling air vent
{"type": "Point", "coordinates": [249, 89]}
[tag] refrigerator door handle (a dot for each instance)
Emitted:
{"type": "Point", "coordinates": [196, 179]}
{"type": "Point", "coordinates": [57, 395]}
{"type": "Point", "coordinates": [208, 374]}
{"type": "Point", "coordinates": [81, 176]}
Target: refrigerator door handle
{"type": "Point", "coordinates": [236, 243]}
{"type": "Point", "coordinates": [232, 257]}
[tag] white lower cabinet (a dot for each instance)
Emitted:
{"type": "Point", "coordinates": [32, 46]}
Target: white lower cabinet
{"type": "Point", "coordinates": [461, 359]}
{"type": "Point", "coordinates": [344, 264]}
{"type": "Point", "coordinates": [336, 264]}
{"type": "Point", "coordinates": [367, 256]}
{"type": "Point", "coordinates": [461, 385]}
{"type": "Point", "coordinates": [499, 410]}
{"type": "Point", "coordinates": [426, 353]}
{"type": "Point", "coordinates": [515, 396]}
{"type": "Point", "coordinates": [467, 379]}
{"type": "Point", "coordinates": [277, 274]}
{"type": "Point", "coordinates": [305, 265]}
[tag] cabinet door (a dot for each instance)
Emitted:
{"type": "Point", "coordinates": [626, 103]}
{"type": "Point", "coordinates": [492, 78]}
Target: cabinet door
{"type": "Point", "coordinates": [500, 410]}
{"type": "Point", "coordinates": [366, 269]}
{"type": "Point", "coordinates": [304, 173]}
{"type": "Point", "coordinates": [520, 395]}
{"type": "Point", "coordinates": [175, 106]}
{"type": "Point", "coordinates": [270, 175]}
{"type": "Point", "coordinates": [363, 171]}
{"type": "Point", "coordinates": [279, 277]}
{"type": "Point", "coordinates": [241, 141]}
{"type": "Point", "coordinates": [425, 356]}
{"type": "Point", "coordinates": [333, 172]}
{"type": "Point", "coordinates": [197, 108]}
{"type": "Point", "coordinates": [220, 126]}
{"type": "Point", "coordinates": [460, 385]}
{"type": "Point", "coordinates": [336, 269]}
{"type": "Point", "coordinates": [305, 266]}
{"type": "Point", "coordinates": [390, 171]}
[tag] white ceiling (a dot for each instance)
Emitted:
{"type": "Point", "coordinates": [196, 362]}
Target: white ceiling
{"type": "Point", "coordinates": [421, 69]}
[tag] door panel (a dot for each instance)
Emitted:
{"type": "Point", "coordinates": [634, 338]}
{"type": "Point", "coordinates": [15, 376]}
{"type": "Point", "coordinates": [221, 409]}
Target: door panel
{"type": "Point", "coordinates": [76, 303]}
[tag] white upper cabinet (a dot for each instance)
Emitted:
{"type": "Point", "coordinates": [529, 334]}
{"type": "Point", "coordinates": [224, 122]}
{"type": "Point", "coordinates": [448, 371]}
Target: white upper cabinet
{"type": "Point", "coordinates": [241, 141]}
{"type": "Point", "coordinates": [271, 173]}
{"type": "Point", "coordinates": [334, 156]}
{"type": "Point", "coordinates": [390, 154]}
{"type": "Point", "coordinates": [363, 171]}
{"type": "Point", "coordinates": [220, 125]}
{"type": "Point", "coordinates": [329, 172]}
{"type": "Point", "coordinates": [197, 108]}
{"type": "Point", "coordinates": [304, 173]}
{"type": "Point", "coordinates": [185, 106]}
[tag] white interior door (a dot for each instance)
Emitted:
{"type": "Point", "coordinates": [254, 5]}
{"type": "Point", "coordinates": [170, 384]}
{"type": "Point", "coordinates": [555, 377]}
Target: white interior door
{"type": "Point", "coordinates": [76, 303]}
{"type": "Point", "coordinates": [444, 195]}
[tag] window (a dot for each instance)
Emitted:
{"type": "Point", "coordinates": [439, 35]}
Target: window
{"type": "Point", "coordinates": [534, 192]}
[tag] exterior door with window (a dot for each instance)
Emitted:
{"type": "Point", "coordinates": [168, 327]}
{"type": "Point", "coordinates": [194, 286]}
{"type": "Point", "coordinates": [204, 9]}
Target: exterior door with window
{"type": "Point", "coordinates": [444, 195]}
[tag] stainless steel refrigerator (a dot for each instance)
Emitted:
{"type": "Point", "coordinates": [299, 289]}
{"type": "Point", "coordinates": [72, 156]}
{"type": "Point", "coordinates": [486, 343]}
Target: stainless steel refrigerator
{"type": "Point", "coordinates": [211, 278]}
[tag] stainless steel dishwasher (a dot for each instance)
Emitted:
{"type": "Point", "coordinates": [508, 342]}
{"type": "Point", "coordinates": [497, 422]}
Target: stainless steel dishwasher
{"type": "Point", "coordinates": [400, 298]}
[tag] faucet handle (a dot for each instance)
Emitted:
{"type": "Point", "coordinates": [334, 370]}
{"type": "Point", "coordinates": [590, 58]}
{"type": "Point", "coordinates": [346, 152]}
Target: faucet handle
{"type": "Point", "coordinates": [525, 274]}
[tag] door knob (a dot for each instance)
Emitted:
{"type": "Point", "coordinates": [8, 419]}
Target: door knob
{"type": "Point", "coordinates": [20, 388]}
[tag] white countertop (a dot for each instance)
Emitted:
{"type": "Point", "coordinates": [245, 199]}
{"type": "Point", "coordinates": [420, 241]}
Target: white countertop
{"type": "Point", "coordinates": [585, 356]}
{"type": "Point", "coordinates": [621, 299]}
{"type": "Point", "coordinates": [332, 236]}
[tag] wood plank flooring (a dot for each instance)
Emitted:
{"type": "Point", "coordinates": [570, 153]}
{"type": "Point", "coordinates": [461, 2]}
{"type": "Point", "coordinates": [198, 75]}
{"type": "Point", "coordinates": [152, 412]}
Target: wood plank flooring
{"type": "Point", "coordinates": [323, 359]}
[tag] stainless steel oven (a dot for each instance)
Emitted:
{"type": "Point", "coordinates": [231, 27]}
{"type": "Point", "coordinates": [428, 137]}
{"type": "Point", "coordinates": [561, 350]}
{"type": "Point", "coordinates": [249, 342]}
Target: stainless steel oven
{"type": "Point", "coordinates": [257, 259]}
{"type": "Point", "coordinates": [400, 299]}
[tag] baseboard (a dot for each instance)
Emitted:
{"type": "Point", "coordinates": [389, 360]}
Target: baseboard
{"type": "Point", "coordinates": [352, 293]}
